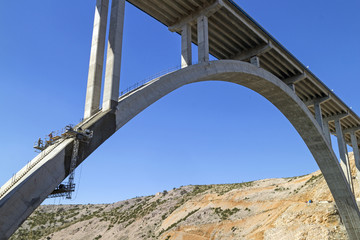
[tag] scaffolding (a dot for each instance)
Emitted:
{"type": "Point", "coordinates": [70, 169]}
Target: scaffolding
{"type": "Point", "coordinates": [66, 189]}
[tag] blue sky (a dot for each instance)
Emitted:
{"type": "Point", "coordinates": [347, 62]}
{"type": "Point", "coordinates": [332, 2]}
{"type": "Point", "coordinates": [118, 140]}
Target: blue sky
{"type": "Point", "coordinates": [203, 133]}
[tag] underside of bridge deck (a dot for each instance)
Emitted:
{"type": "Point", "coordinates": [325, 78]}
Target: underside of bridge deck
{"type": "Point", "coordinates": [233, 34]}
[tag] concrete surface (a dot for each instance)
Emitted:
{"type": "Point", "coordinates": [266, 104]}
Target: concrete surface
{"type": "Point", "coordinates": [93, 90]}
{"type": "Point", "coordinates": [186, 53]}
{"type": "Point", "coordinates": [113, 57]}
{"type": "Point", "coordinates": [203, 39]}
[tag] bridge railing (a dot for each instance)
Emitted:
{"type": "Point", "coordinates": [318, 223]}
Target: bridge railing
{"type": "Point", "coordinates": [148, 79]}
{"type": "Point", "coordinates": [30, 165]}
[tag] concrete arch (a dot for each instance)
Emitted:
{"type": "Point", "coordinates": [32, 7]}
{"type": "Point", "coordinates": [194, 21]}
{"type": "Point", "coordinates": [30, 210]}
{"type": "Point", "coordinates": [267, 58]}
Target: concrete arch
{"type": "Point", "coordinates": [23, 198]}
{"type": "Point", "coordinates": [279, 94]}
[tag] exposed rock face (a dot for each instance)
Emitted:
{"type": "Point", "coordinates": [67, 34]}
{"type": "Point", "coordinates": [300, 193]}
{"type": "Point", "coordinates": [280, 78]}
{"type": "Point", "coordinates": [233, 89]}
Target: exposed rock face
{"type": "Point", "coordinates": [275, 209]}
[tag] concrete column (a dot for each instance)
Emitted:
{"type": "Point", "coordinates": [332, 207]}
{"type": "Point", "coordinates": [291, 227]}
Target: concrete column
{"type": "Point", "coordinates": [344, 163]}
{"type": "Point", "coordinates": [255, 61]}
{"type": "Point", "coordinates": [326, 130]}
{"type": "Point", "coordinates": [355, 147]}
{"type": "Point", "coordinates": [292, 86]}
{"type": "Point", "coordinates": [93, 90]}
{"type": "Point", "coordinates": [113, 59]}
{"type": "Point", "coordinates": [351, 182]}
{"type": "Point", "coordinates": [203, 39]}
{"type": "Point", "coordinates": [318, 114]}
{"type": "Point", "coordinates": [186, 53]}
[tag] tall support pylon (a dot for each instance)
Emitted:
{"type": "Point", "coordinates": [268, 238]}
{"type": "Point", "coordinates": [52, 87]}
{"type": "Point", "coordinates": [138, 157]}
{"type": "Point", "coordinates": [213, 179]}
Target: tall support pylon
{"type": "Point", "coordinates": [93, 90]}
{"type": "Point", "coordinates": [113, 58]}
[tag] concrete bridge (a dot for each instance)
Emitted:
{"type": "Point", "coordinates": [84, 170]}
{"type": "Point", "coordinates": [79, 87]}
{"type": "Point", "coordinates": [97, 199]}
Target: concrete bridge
{"type": "Point", "coordinates": [246, 55]}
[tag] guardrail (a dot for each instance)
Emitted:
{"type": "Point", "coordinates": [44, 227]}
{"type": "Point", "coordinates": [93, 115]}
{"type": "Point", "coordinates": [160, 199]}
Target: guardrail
{"type": "Point", "coordinates": [30, 165]}
{"type": "Point", "coordinates": [149, 79]}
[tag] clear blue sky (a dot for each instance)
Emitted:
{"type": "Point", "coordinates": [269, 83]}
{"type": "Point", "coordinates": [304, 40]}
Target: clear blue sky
{"type": "Point", "coordinates": [200, 134]}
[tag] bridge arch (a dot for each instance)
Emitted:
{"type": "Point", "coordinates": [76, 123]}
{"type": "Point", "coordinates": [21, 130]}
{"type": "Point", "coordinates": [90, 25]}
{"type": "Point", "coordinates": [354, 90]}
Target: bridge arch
{"type": "Point", "coordinates": [23, 198]}
{"type": "Point", "coordinates": [275, 91]}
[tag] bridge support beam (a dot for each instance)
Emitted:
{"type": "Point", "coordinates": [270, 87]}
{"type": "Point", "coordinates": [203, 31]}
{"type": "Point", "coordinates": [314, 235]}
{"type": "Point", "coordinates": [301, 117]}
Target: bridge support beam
{"type": "Point", "coordinates": [344, 159]}
{"type": "Point", "coordinates": [292, 80]}
{"type": "Point", "coordinates": [255, 61]}
{"type": "Point", "coordinates": [203, 39]}
{"type": "Point", "coordinates": [93, 90]}
{"type": "Point", "coordinates": [318, 114]}
{"type": "Point", "coordinates": [355, 146]}
{"type": "Point", "coordinates": [186, 53]}
{"type": "Point", "coordinates": [113, 59]}
{"type": "Point", "coordinates": [326, 131]}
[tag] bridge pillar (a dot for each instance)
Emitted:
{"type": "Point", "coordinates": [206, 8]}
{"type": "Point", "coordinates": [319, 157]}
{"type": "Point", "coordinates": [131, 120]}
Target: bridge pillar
{"type": "Point", "coordinates": [255, 61]}
{"type": "Point", "coordinates": [93, 90]}
{"type": "Point", "coordinates": [294, 79]}
{"type": "Point", "coordinates": [186, 53]}
{"type": "Point", "coordinates": [113, 59]}
{"type": "Point", "coordinates": [355, 146]}
{"type": "Point", "coordinates": [318, 114]}
{"type": "Point", "coordinates": [344, 163]}
{"type": "Point", "coordinates": [203, 39]}
{"type": "Point", "coordinates": [326, 130]}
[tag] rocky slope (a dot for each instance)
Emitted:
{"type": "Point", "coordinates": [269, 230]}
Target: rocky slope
{"type": "Point", "coordinates": [266, 209]}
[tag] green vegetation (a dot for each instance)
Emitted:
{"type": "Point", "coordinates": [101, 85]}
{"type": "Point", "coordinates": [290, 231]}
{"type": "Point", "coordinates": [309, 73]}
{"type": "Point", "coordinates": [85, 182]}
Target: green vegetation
{"type": "Point", "coordinates": [47, 220]}
{"type": "Point", "coordinates": [225, 214]}
{"type": "Point", "coordinates": [313, 179]}
{"type": "Point", "coordinates": [42, 223]}
{"type": "Point", "coordinates": [281, 189]}
{"type": "Point", "coordinates": [181, 220]}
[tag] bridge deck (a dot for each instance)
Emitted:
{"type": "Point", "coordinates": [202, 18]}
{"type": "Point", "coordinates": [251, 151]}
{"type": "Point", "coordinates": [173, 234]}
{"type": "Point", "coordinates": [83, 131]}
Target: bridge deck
{"type": "Point", "coordinates": [235, 35]}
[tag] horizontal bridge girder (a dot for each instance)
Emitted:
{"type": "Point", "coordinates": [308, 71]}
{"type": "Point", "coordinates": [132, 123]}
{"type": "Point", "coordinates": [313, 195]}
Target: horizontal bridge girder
{"type": "Point", "coordinates": [335, 117]}
{"type": "Point", "coordinates": [207, 11]}
{"type": "Point", "coordinates": [317, 100]}
{"type": "Point", "coordinates": [295, 79]}
{"type": "Point", "coordinates": [352, 129]}
{"type": "Point", "coordinates": [257, 51]}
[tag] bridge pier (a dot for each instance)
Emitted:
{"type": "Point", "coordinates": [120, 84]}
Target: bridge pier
{"type": "Point", "coordinates": [186, 53]}
{"type": "Point", "coordinates": [93, 90]}
{"type": "Point", "coordinates": [318, 114]}
{"type": "Point", "coordinates": [326, 130]}
{"type": "Point", "coordinates": [344, 163]}
{"type": "Point", "coordinates": [355, 146]}
{"type": "Point", "coordinates": [113, 58]}
{"type": "Point", "coordinates": [292, 80]}
{"type": "Point", "coordinates": [203, 38]}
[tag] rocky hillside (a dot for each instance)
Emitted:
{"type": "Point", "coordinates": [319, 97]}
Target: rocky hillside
{"type": "Point", "coordinates": [266, 209]}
